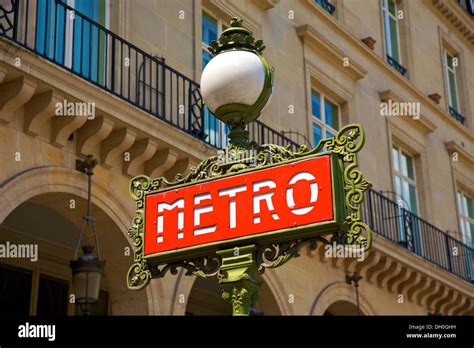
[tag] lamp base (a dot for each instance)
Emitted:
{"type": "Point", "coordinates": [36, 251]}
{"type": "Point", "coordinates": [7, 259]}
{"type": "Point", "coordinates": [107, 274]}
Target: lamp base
{"type": "Point", "coordinates": [239, 137]}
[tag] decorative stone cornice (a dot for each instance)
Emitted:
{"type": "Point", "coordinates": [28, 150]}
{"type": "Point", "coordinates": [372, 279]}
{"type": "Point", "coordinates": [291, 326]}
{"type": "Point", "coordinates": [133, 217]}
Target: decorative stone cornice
{"type": "Point", "coordinates": [423, 123]}
{"type": "Point", "coordinates": [226, 9]}
{"type": "Point", "coordinates": [456, 16]}
{"type": "Point", "coordinates": [400, 271]}
{"type": "Point", "coordinates": [266, 4]}
{"type": "Point", "coordinates": [313, 38]}
{"type": "Point", "coordinates": [455, 146]}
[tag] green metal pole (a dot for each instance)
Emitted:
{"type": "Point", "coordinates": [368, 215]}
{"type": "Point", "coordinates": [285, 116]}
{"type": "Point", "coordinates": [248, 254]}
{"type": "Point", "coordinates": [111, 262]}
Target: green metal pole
{"type": "Point", "coordinates": [239, 285]}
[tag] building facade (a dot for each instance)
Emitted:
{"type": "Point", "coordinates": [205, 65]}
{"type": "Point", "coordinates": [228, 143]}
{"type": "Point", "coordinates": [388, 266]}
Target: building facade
{"type": "Point", "coordinates": [120, 80]}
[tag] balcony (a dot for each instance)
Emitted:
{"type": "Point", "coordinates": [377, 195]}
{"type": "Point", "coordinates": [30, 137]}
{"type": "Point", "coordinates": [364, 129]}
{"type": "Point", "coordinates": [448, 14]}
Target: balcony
{"type": "Point", "coordinates": [80, 45]}
{"type": "Point", "coordinates": [397, 66]}
{"type": "Point", "coordinates": [326, 5]}
{"type": "Point", "coordinates": [467, 5]}
{"type": "Point", "coordinates": [388, 219]}
{"type": "Point", "coordinates": [457, 116]}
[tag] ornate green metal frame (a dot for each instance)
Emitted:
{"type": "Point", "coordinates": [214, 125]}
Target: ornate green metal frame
{"type": "Point", "coordinates": [344, 146]}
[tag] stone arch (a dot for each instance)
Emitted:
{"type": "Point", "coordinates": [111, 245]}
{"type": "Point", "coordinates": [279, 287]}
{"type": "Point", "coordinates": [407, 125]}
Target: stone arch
{"type": "Point", "coordinates": [182, 284]}
{"type": "Point", "coordinates": [336, 292]}
{"type": "Point", "coordinates": [46, 184]}
{"type": "Point", "coordinates": [40, 180]}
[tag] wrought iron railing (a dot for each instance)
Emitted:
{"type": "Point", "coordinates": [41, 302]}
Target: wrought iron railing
{"type": "Point", "coordinates": [467, 5]}
{"type": "Point", "coordinates": [325, 4]}
{"type": "Point", "coordinates": [72, 40]}
{"type": "Point", "coordinates": [392, 221]}
{"type": "Point", "coordinates": [457, 116]}
{"type": "Point", "coordinates": [396, 65]}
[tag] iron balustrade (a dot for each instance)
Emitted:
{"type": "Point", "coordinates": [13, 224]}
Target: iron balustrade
{"type": "Point", "coordinates": [59, 33]}
{"type": "Point", "coordinates": [467, 5]}
{"type": "Point", "coordinates": [390, 220]}
{"type": "Point", "coordinates": [457, 116]}
{"type": "Point", "coordinates": [398, 67]}
{"type": "Point", "coordinates": [326, 5]}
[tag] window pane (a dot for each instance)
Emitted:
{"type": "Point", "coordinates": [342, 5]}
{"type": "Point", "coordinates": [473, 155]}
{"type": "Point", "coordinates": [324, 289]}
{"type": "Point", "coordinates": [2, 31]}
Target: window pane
{"type": "Point", "coordinates": [463, 227]}
{"type": "Point", "coordinates": [452, 89]}
{"type": "Point", "coordinates": [458, 196]}
{"type": "Point", "coordinates": [206, 57]}
{"type": "Point", "coordinates": [316, 104]}
{"type": "Point", "coordinates": [449, 60]}
{"type": "Point", "coordinates": [317, 134]}
{"type": "Point", "coordinates": [470, 208]}
{"type": "Point", "coordinates": [395, 159]}
{"type": "Point", "coordinates": [394, 39]}
{"type": "Point", "coordinates": [406, 195]}
{"type": "Point", "coordinates": [398, 188]}
{"type": "Point", "coordinates": [209, 29]}
{"type": "Point", "coordinates": [392, 7]}
{"type": "Point", "coordinates": [413, 204]}
{"type": "Point", "coordinates": [386, 31]}
{"type": "Point", "coordinates": [331, 114]}
{"type": "Point", "coordinates": [464, 205]}
{"type": "Point", "coordinates": [410, 169]}
{"type": "Point", "coordinates": [471, 235]}
{"type": "Point", "coordinates": [15, 291]}
{"type": "Point", "coordinates": [329, 134]}
{"type": "Point", "coordinates": [52, 297]}
{"type": "Point", "coordinates": [404, 161]}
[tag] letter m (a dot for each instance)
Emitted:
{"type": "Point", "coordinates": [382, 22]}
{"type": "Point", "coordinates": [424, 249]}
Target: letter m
{"type": "Point", "coordinates": [162, 206]}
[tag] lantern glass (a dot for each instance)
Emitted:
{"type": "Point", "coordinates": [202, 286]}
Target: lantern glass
{"type": "Point", "coordinates": [87, 286]}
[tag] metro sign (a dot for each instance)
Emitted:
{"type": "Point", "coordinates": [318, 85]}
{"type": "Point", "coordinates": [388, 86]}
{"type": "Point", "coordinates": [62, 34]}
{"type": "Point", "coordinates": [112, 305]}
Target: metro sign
{"type": "Point", "coordinates": [282, 202]}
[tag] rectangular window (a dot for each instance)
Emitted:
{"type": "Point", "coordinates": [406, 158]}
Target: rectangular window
{"type": "Point", "coordinates": [391, 34]}
{"type": "Point", "coordinates": [450, 64]}
{"type": "Point", "coordinates": [390, 26]}
{"type": "Point", "coordinates": [52, 297]}
{"type": "Point", "coordinates": [214, 128]}
{"type": "Point", "coordinates": [407, 199]}
{"type": "Point", "coordinates": [70, 39]}
{"type": "Point", "coordinates": [405, 181]}
{"type": "Point", "coordinates": [466, 218]}
{"type": "Point", "coordinates": [326, 117]}
{"type": "Point", "coordinates": [15, 291]}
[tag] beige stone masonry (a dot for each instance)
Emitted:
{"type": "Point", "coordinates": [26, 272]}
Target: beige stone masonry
{"type": "Point", "coordinates": [39, 110]}
{"type": "Point", "coordinates": [13, 94]}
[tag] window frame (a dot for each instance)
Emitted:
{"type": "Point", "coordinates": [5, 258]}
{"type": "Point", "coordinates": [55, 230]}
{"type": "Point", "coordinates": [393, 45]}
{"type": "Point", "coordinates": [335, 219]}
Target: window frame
{"type": "Point", "coordinates": [322, 122]}
{"type": "Point", "coordinates": [386, 26]}
{"type": "Point", "coordinates": [404, 178]}
{"type": "Point", "coordinates": [447, 70]}
{"type": "Point", "coordinates": [220, 23]}
{"type": "Point", "coordinates": [463, 216]}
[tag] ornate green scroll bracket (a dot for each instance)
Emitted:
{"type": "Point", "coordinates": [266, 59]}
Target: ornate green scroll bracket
{"type": "Point", "coordinates": [238, 280]}
{"type": "Point", "coordinates": [345, 145]}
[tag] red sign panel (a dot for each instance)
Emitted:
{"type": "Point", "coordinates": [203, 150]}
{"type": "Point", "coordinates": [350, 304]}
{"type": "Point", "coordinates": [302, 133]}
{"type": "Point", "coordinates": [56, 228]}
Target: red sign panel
{"type": "Point", "coordinates": [253, 203]}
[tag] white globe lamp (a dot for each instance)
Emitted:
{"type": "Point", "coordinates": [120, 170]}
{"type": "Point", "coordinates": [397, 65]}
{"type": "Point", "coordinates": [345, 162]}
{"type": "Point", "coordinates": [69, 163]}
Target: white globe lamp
{"type": "Point", "coordinates": [237, 83]}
